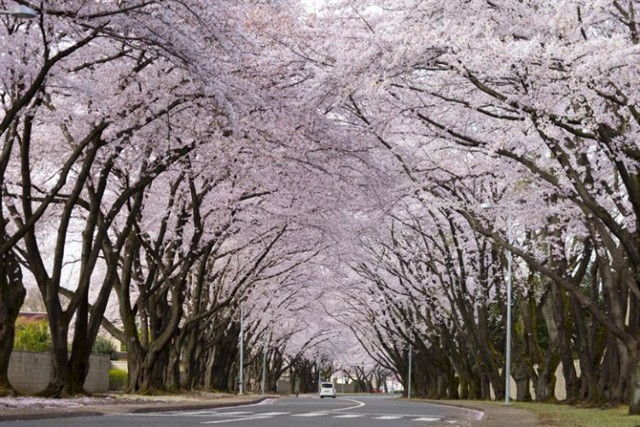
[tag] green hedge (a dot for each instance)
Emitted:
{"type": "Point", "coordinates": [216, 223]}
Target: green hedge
{"type": "Point", "coordinates": [105, 346]}
{"type": "Point", "coordinates": [118, 379]}
{"type": "Point", "coordinates": [32, 336]}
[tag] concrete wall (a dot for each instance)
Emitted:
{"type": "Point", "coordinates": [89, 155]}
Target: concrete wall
{"type": "Point", "coordinates": [560, 391]}
{"type": "Point", "coordinates": [284, 386]}
{"type": "Point", "coordinates": [30, 372]}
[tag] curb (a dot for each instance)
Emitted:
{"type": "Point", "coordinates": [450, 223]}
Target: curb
{"type": "Point", "coordinates": [502, 416]}
{"type": "Point", "coordinates": [49, 416]}
{"type": "Point", "coordinates": [124, 408]}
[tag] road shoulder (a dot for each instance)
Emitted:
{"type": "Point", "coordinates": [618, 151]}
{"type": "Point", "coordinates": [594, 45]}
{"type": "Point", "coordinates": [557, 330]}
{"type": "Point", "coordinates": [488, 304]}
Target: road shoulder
{"type": "Point", "coordinates": [495, 414]}
{"type": "Point", "coordinates": [110, 406]}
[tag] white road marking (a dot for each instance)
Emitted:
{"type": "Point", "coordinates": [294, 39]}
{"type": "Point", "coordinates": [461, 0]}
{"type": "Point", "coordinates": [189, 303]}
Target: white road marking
{"type": "Point", "coordinates": [235, 413]}
{"type": "Point", "coordinates": [327, 412]}
{"type": "Point", "coordinates": [235, 416]}
{"type": "Point", "coordinates": [233, 420]}
{"type": "Point", "coordinates": [200, 412]}
{"type": "Point", "coordinates": [310, 414]}
{"type": "Point", "coordinates": [174, 414]}
{"type": "Point", "coordinates": [359, 405]}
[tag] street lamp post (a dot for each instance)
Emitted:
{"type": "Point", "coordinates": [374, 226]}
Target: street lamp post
{"type": "Point", "coordinates": [410, 366]}
{"type": "Point", "coordinates": [264, 371]}
{"type": "Point", "coordinates": [241, 386]}
{"type": "Point", "coordinates": [507, 362]}
{"type": "Point", "coordinates": [507, 352]}
{"type": "Point", "coordinates": [20, 11]}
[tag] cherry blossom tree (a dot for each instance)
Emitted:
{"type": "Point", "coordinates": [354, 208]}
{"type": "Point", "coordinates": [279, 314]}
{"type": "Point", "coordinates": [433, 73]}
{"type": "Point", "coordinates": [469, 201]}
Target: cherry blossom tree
{"type": "Point", "coordinates": [512, 82]}
{"type": "Point", "coordinates": [182, 160]}
{"type": "Point", "coordinates": [67, 112]}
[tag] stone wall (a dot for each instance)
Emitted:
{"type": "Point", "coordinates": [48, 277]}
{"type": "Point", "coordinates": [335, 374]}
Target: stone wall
{"type": "Point", "coordinates": [30, 372]}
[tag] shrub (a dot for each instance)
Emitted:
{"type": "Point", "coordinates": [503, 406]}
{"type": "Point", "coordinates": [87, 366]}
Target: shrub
{"type": "Point", "coordinates": [32, 336]}
{"type": "Point", "coordinates": [105, 346]}
{"type": "Point", "coordinates": [118, 379]}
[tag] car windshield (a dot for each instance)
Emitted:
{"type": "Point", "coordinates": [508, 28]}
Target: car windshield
{"type": "Point", "coordinates": [327, 385]}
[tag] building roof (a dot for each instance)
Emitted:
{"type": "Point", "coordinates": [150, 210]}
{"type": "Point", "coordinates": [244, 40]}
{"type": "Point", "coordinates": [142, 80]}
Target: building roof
{"type": "Point", "coordinates": [33, 316]}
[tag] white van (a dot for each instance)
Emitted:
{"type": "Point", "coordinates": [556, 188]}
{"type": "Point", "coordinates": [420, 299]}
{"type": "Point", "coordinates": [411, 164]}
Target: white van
{"type": "Point", "coordinates": [327, 390]}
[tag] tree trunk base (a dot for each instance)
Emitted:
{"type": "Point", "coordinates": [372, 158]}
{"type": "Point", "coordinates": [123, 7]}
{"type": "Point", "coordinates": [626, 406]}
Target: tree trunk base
{"type": "Point", "coordinates": [9, 391]}
{"type": "Point", "coordinates": [634, 385]}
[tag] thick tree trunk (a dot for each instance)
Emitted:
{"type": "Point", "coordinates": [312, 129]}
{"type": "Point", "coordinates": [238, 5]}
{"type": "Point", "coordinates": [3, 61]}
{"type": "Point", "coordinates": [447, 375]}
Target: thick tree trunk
{"type": "Point", "coordinates": [143, 367]}
{"type": "Point", "coordinates": [485, 387]}
{"type": "Point", "coordinates": [589, 390]}
{"type": "Point", "coordinates": [141, 372]}
{"type": "Point", "coordinates": [522, 379]}
{"type": "Point", "coordinates": [209, 371]}
{"type": "Point", "coordinates": [135, 358]}
{"type": "Point", "coordinates": [544, 387]}
{"type": "Point", "coordinates": [191, 356]}
{"type": "Point", "coordinates": [222, 367]}
{"type": "Point", "coordinates": [59, 358]}
{"type": "Point", "coordinates": [12, 294]}
{"type": "Point", "coordinates": [634, 383]}
{"type": "Point", "coordinates": [475, 387]}
{"type": "Point", "coordinates": [545, 382]}
{"type": "Point", "coordinates": [564, 330]}
{"type": "Point", "coordinates": [159, 380]}
{"type": "Point", "coordinates": [7, 334]}
{"type": "Point", "coordinates": [454, 387]}
{"type": "Point", "coordinates": [464, 388]}
{"type": "Point", "coordinates": [59, 327]}
{"type": "Point", "coordinates": [79, 369]}
{"type": "Point", "coordinates": [174, 380]}
{"type": "Point", "coordinates": [626, 365]}
{"type": "Point", "coordinates": [80, 352]}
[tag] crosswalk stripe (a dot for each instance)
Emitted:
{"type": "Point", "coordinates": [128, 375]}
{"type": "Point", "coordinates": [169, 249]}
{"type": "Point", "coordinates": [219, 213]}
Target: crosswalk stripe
{"type": "Point", "coordinates": [350, 416]}
{"type": "Point", "coordinates": [387, 417]}
{"type": "Point", "coordinates": [427, 419]}
{"type": "Point", "coordinates": [272, 414]}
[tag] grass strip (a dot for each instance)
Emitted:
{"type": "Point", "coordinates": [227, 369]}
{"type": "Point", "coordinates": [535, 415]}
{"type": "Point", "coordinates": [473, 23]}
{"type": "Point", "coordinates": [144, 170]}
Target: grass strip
{"type": "Point", "coordinates": [551, 415]}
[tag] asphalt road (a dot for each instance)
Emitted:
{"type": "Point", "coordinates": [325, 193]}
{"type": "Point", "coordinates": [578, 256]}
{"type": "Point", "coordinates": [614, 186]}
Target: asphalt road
{"type": "Point", "coordinates": [373, 411]}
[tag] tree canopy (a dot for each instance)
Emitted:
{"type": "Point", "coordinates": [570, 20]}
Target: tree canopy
{"type": "Point", "coordinates": [364, 178]}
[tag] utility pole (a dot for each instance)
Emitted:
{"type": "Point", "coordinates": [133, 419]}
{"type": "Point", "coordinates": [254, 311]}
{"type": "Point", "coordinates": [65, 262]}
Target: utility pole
{"type": "Point", "coordinates": [241, 388]}
{"type": "Point", "coordinates": [507, 363]}
{"type": "Point", "coordinates": [410, 363]}
{"type": "Point", "coordinates": [264, 370]}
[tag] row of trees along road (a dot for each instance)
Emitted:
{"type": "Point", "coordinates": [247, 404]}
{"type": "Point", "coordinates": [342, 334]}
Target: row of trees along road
{"type": "Point", "coordinates": [187, 158]}
{"type": "Point", "coordinates": [528, 107]}
{"type": "Point", "coordinates": [157, 158]}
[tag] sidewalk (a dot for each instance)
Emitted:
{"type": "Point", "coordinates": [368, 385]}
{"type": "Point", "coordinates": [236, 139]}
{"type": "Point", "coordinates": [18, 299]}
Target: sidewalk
{"type": "Point", "coordinates": [110, 405]}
